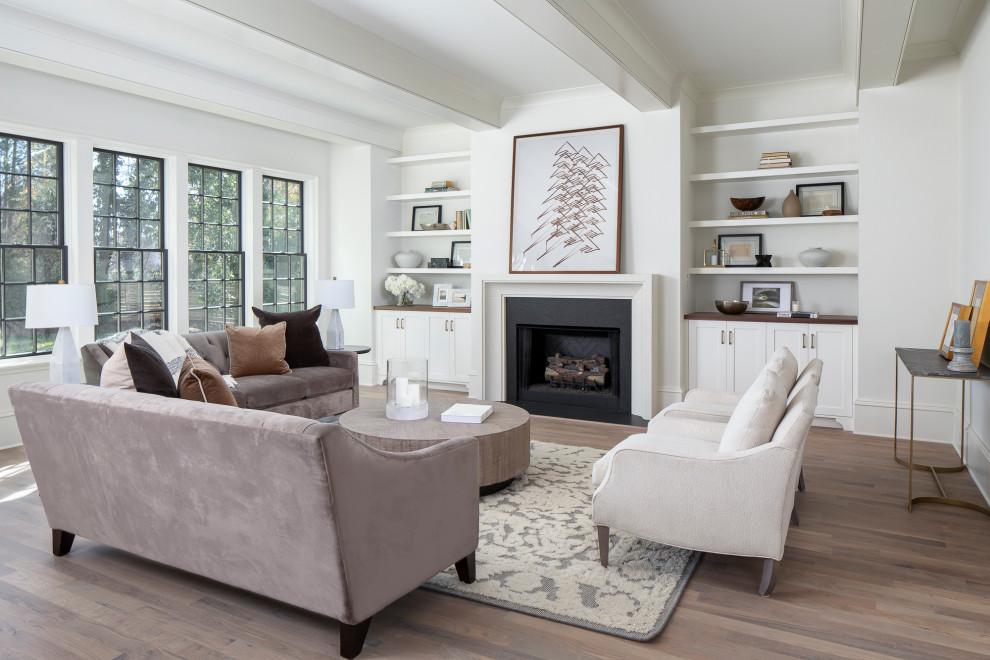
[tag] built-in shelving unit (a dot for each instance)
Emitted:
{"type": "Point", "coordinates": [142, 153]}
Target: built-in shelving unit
{"type": "Point", "coordinates": [776, 222]}
{"type": "Point", "coordinates": [426, 159]}
{"type": "Point", "coordinates": [428, 234]}
{"type": "Point", "coordinates": [779, 173]}
{"type": "Point", "coordinates": [444, 271]}
{"type": "Point", "coordinates": [775, 271]}
{"type": "Point", "coordinates": [423, 197]}
{"type": "Point", "coordinates": [771, 125]}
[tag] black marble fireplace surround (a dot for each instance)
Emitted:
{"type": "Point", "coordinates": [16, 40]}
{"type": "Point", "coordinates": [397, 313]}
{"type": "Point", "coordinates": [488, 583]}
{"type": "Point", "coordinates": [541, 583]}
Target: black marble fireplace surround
{"type": "Point", "coordinates": [537, 328]}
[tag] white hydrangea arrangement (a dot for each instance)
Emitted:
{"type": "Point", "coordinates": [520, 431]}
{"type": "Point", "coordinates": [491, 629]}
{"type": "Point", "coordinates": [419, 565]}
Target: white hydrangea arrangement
{"type": "Point", "coordinates": [405, 287]}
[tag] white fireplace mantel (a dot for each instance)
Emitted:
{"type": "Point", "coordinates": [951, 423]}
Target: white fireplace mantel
{"type": "Point", "coordinates": [489, 294]}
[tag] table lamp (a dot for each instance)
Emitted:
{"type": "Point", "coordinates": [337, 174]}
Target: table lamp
{"type": "Point", "coordinates": [59, 306]}
{"type": "Point", "coordinates": [335, 295]}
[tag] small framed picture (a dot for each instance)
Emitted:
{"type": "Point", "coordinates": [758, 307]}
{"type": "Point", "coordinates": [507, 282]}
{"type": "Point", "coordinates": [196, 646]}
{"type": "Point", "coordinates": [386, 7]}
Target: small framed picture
{"type": "Point", "coordinates": [957, 312]}
{"type": "Point", "coordinates": [816, 198]}
{"type": "Point", "coordinates": [441, 294]}
{"type": "Point", "coordinates": [426, 215]}
{"type": "Point", "coordinates": [460, 298]}
{"type": "Point", "coordinates": [439, 262]}
{"type": "Point", "coordinates": [767, 297]}
{"type": "Point", "coordinates": [460, 254]}
{"type": "Point", "coordinates": [740, 249]}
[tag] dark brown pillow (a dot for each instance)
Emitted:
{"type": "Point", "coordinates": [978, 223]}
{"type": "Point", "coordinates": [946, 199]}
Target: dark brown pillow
{"type": "Point", "coordinates": [201, 381]}
{"type": "Point", "coordinates": [303, 344]}
{"type": "Point", "coordinates": [257, 351]}
{"type": "Point", "coordinates": [149, 371]}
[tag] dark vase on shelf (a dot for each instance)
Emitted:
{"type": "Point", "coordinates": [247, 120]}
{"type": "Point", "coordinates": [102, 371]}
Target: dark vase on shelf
{"type": "Point", "coordinates": [763, 260]}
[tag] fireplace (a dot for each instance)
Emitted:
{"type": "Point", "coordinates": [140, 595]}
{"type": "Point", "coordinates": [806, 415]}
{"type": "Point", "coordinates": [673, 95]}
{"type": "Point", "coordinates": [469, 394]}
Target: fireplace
{"type": "Point", "coordinates": [570, 357]}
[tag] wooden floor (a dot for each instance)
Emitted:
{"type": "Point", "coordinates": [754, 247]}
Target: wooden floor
{"type": "Point", "coordinates": [861, 578]}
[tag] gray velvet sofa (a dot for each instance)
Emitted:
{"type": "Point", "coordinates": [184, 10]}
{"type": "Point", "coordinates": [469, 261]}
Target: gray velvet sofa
{"type": "Point", "coordinates": [312, 392]}
{"type": "Point", "coordinates": [286, 507]}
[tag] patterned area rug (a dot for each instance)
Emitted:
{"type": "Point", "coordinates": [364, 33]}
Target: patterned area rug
{"type": "Point", "coordinates": [538, 554]}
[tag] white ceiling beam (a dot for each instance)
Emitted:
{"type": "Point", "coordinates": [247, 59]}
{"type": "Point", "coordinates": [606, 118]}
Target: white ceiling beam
{"type": "Point", "coordinates": [883, 40]}
{"type": "Point", "coordinates": [603, 42]}
{"type": "Point", "coordinates": [357, 57]}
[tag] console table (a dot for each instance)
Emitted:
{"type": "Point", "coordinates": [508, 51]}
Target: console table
{"type": "Point", "coordinates": [927, 363]}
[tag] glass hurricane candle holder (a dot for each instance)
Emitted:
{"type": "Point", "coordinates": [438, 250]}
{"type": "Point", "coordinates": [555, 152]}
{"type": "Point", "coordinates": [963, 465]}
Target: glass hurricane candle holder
{"type": "Point", "coordinates": [408, 389]}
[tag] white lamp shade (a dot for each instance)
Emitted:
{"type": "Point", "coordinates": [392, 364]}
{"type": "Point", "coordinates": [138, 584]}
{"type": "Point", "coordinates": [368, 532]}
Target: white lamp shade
{"type": "Point", "coordinates": [335, 294]}
{"type": "Point", "coordinates": [60, 305]}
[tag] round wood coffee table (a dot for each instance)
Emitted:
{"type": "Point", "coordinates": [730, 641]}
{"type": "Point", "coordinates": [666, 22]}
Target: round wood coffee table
{"type": "Point", "coordinates": [503, 438]}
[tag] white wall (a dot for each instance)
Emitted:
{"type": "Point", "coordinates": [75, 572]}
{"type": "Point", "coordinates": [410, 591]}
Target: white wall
{"type": "Point", "coordinates": [651, 204]}
{"type": "Point", "coordinates": [909, 174]}
{"type": "Point", "coordinates": [974, 225]}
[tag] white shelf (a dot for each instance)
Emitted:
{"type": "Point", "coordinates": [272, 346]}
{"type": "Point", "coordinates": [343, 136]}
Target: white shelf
{"type": "Point", "coordinates": [771, 125]}
{"type": "Point", "coordinates": [439, 233]}
{"type": "Point", "coordinates": [778, 173]}
{"type": "Point", "coordinates": [776, 222]}
{"type": "Point", "coordinates": [772, 272]}
{"type": "Point", "coordinates": [422, 197]}
{"type": "Point", "coordinates": [448, 271]}
{"type": "Point", "coordinates": [426, 159]}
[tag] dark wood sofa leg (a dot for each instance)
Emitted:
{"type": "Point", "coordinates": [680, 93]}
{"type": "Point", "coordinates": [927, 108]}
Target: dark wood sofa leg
{"type": "Point", "coordinates": [771, 567]}
{"type": "Point", "coordinates": [465, 569]}
{"type": "Point", "coordinates": [603, 544]}
{"type": "Point", "coordinates": [801, 481]}
{"type": "Point", "coordinates": [352, 638]}
{"type": "Point", "coordinates": [61, 542]}
{"type": "Point", "coordinates": [794, 517]}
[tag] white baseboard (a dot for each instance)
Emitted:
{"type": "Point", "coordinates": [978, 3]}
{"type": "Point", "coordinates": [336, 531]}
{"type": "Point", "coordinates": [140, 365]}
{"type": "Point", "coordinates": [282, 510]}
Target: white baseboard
{"type": "Point", "coordinates": [667, 396]}
{"type": "Point", "coordinates": [931, 423]}
{"type": "Point", "coordinates": [9, 435]}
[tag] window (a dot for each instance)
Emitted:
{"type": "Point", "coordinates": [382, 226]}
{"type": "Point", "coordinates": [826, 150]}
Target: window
{"type": "Point", "coordinates": [32, 249]}
{"type": "Point", "coordinates": [129, 242]}
{"type": "Point", "coordinates": [216, 262]}
{"type": "Point", "coordinates": [283, 259]}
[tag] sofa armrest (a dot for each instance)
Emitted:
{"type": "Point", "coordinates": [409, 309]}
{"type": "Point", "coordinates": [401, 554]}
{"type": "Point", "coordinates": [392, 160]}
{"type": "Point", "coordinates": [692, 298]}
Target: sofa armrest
{"type": "Point", "coordinates": [403, 516]}
{"type": "Point", "coordinates": [699, 395]}
{"type": "Point", "coordinates": [347, 360]}
{"type": "Point", "coordinates": [686, 427]}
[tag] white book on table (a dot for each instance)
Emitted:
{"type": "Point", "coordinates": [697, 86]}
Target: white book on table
{"type": "Point", "coordinates": [466, 413]}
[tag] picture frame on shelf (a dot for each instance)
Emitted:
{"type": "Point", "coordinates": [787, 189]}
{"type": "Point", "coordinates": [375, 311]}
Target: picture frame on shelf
{"type": "Point", "coordinates": [816, 198]}
{"type": "Point", "coordinates": [426, 215]}
{"type": "Point", "coordinates": [767, 297]}
{"type": "Point", "coordinates": [460, 254]}
{"type": "Point", "coordinates": [441, 294]}
{"type": "Point", "coordinates": [740, 249]}
{"type": "Point", "coordinates": [566, 201]}
{"type": "Point", "coordinates": [460, 298]}
{"type": "Point", "coordinates": [957, 312]}
{"type": "Point", "coordinates": [979, 319]}
{"type": "Point", "coordinates": [439, 262]}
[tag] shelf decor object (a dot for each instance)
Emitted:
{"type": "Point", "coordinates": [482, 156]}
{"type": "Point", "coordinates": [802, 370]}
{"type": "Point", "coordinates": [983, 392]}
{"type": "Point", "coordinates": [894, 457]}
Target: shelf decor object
{"type": "Point", "coordinates": [335, 295]}
{"type": "Point", "coordinates": [60, 306]}
{"type": "Point", "coordinates": [957, 312]}
{"type": "Point", "coordinates": [740, 249]}
{"type": "Point", "coordinates": [460, 298]}
{"type": "Point", "coordinates": [441, 294]}
{"type": "Point", "coordinates": [566, 201]}
{"type": "Point", "coordinates": [407, 389]}
{"type": "Point", "coordinates": [816, 198]}
{"type": "Point", "coordinates": [714, 257]}
{"type": "Point", "coordinates": [980, 316]}
{"type": "Point", "coordinates": [426, 215]}
{"type": "Point", "coordinates": [767, 297]}
{"type": "Point", "coordinates": [407, 259]}
{"type": "Point", "coordinates": [961, 349]}
{"type": "Point", "coordinates": [791, 206]}
{"type": "Point", "coordinates": [460, 254]}
{"type": "Point", "coordinates": [745, 204]}
{"type": "Point", "coordinates": [405, 288]}
{"type": "Point", "coordinates": [815, 257]}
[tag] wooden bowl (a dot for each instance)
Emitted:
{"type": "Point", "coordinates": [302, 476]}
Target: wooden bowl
{"type": "Point", "coordinates": [747, 203]}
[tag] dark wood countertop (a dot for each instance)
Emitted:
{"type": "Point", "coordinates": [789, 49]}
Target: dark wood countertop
{"type": "Point", "coordinates": [756, 317]}
{"type": "Point", "coordinates": [423, 308]}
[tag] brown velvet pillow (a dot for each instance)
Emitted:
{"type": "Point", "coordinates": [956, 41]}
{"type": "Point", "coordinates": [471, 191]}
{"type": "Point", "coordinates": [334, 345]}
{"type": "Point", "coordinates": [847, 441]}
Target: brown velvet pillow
{"type": "Point", "coordinates": [303, 344]}
{"type": "Point", "coordinates": [257, 351]}
{"type": "Point", "coordinates": [201, 381]}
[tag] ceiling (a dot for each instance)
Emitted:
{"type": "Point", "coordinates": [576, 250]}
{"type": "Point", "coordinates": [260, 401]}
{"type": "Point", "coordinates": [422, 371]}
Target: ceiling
{"type": "Point", "coordinates": [365, 70]}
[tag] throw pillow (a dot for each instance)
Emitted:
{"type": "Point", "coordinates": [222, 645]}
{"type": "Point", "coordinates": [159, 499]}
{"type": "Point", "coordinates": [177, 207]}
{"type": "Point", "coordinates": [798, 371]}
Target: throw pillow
{"type": "Point", "coordinates": [303, 344]}
{"type": "Point", "coordinates": [116, 374]}
{"type": "Point", "coordinates": [785, 365]}
{"type": "Point", "coordinates": [756, 415]}
{"type": "Point", "coordinates": [201, 381]}
{"type": "Point", "coordinates": [149, 371]}
{"type": "Point", "coordinates": [257, 351]}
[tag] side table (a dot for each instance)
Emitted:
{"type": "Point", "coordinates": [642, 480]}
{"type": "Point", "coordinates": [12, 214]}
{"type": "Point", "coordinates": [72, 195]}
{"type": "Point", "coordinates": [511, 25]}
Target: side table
{"type": "Point", "coordinates": [927, 363]}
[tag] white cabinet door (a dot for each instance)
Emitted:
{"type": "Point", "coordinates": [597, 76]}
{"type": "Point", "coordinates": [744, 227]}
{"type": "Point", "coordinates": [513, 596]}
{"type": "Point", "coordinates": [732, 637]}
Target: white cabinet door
{"type": "Point", "coordinates": [391, 338]}
{"type": "Point", "coordinates": [707, 355]}
{"type": "Point", "coordinates": [439, 340]}
{"type": "Point", "coordinates": [833, 344]}
{"type": "Point", "coordinates": [460, 326]}
{"type": "Point", "coordinates": [794, 336]}
{"type": "Point", "coordinates": [746, 354]}
{"type": "Point", "coordinates": [415, 328]}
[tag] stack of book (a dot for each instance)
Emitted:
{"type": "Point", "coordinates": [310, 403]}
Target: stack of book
{"type": "Point", "coordinates": [441, 186]}
{"type": "Point", "coordinates": [775, 159]}
{"type": "Point", "coordinates": [747, 215]}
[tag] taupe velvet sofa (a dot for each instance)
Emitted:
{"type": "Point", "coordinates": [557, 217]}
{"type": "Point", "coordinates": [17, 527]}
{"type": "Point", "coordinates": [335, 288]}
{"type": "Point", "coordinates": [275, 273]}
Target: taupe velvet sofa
{"type": "Point", "coordinates": [312, 392]}
{"type": "Point", "coordinates": [286, 507]}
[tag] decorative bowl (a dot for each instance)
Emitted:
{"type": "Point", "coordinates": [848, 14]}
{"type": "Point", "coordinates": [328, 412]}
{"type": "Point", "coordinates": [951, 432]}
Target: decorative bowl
{"type": "Point", "coordinates": [815, 257]}
{"type": "Point", "coordinates": [731, 306]}
{"type": "Point", "coordinates": [407, 259]}
{"type": "Point", "coordinates": [747, 203]}
{"type": "Point", "coordinates": [436, 226]}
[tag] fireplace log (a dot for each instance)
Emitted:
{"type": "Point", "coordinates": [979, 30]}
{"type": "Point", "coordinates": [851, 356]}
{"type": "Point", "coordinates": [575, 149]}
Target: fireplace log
{"type": "Point", "coordinates": [563, 370]}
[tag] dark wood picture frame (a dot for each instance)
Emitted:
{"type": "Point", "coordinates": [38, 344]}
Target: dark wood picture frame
{"type": "Point", "coordinates": [453, 253]}
{"type": "Point", "coordinates": [416, 222]}
{"type": "Point", "coordinates": [561, 232]}
{"type": "Point", "coordinates": [739, 262]}
{"type": "Point", "coordinates": [801, 189]}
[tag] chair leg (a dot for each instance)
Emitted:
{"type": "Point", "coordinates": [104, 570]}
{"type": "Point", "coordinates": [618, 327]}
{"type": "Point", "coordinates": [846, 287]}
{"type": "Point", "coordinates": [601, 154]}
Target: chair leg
{"type": "Point", "coordinates": [770, 569]}
{"type": "Point", "coordinates": [61, 542]}
{"type": "Point", "coordinates": [352, 638]}
{"type": "Point", "coordinates": [794, 517]}
{"type": "Point", "coordinates": [603, 544]}
{"type": "Point", "coordinates": [465, 569]}
{"type": "Point", "coordinates": [801, 481]}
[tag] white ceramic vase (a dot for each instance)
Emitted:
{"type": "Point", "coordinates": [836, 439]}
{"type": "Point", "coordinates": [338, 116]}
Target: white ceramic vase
{"type": "Point", "coordinates": [407, 259]}
{"type": "Point", "coordinates": [815, 257]}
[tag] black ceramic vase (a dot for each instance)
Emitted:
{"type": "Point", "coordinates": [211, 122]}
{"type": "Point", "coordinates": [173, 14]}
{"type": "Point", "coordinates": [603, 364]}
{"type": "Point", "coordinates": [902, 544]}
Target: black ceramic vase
{"type": "Point", "coordinates": [763, 260]}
